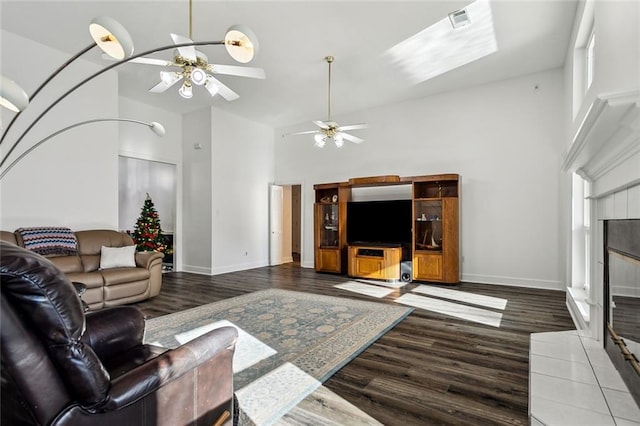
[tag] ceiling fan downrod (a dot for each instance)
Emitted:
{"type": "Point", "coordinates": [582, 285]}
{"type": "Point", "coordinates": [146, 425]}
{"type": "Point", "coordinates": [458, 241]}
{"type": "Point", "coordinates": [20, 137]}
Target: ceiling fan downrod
{"type": "Point", "coordinates": [329, 60]}
{"type": "Point", "coordinates": [190, 19]}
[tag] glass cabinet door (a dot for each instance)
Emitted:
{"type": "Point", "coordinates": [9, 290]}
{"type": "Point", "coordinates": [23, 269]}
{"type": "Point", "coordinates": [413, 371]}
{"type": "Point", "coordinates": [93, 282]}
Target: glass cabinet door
{"type": "Point", "coordinates": [428, 225]}
{"type": "Point", "coordinates": [329, 226]}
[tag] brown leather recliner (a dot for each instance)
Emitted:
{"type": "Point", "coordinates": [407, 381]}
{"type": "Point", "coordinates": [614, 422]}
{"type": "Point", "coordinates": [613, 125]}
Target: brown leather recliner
{"type": "Point", "coordinates": [62, 367]}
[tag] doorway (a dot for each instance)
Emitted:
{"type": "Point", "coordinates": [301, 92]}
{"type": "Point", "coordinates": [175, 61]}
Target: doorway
{"type": "Point", "coordinates": [285, 224]}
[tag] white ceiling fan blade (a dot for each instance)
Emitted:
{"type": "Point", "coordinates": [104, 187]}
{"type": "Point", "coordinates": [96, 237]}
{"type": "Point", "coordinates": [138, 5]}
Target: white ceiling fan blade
{"type": "Point", "coordinates": [321, 124]}
{"type": "Point", "coordinates": [162, 86]}
{"type": "Point", "coordinates": [353, 127]}
{"type": "Point", "coordinates": [188, 52]}
{"type": "Point", "coordinates": [250, 72]}
{"type": "Point", "coordinates": [351, 138]}
{"type": "Point", "coordinates": [213, 84]}
{"type": "Point", "coordinates": [307, 132]}
{"type": "Point", "coordinates": [149, 61]}
{"type": "Point", "coordinates": [153, 61]}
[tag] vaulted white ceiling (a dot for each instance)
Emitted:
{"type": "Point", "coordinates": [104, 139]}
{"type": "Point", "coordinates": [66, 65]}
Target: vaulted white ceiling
{"type": "Point", "coordinates": [294, 38]}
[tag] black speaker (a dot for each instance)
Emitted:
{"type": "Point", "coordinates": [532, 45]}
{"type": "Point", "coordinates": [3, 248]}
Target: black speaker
{"type": "Point", "coordinates": [405, 271]}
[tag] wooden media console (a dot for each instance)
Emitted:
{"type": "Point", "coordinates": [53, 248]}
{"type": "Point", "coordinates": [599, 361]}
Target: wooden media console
{"type": "Point", "coordinates": [375, 262]}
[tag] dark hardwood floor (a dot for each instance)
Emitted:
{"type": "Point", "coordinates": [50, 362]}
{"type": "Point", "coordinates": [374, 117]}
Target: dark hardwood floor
{"type": "Point", "coordinates": [430, 369]}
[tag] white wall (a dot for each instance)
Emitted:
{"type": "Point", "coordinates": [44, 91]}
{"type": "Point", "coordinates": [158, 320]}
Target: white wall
{"type": "Point", "coordinates": [196, 195]}
{"type": "Point", "coordinates": [504, 139]}
{"type": "Point", "coordinates": [242, 168]}
{"type": "Point", "coordinates": [139, 142]}
{"type": "Point", "coordinates": [71, 180]}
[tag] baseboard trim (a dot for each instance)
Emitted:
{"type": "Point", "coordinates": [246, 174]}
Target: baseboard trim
{"type": "Point", "coordinates": [196, 269]}
{"type": "Point", "coordinates": [576, 316]}
{"type": "Point", "coordinates": [513, 281]}
{"type": "Point", "coordinates": [239, 267]}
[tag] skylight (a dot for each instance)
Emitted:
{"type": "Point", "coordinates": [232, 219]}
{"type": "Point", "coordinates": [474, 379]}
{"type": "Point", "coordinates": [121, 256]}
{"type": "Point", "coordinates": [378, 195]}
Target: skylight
{"type": "Point", "coordinates": [441, 47]}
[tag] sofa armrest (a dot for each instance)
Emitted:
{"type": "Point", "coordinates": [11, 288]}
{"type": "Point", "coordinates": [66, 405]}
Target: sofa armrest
{"type": "Point", "coordinates": [112, 331]}
{"type": "Point", "coordinates": [144, 259]}
{"type": "Point", "coordinates": [212, 350]}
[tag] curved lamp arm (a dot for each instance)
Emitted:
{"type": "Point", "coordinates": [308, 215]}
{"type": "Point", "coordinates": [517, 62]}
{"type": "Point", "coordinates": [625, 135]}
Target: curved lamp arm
{"type": "Point", "coordinates": [155, 127]}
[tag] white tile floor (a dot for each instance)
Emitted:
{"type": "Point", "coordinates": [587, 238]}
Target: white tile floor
{"type": "Point", "coordinates": [573, 382]}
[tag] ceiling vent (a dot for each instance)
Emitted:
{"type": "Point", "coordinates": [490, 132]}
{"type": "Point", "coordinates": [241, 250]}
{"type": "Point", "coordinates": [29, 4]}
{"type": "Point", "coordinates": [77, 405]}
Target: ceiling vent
{"type": "Point", "coordinates": [459, 18]}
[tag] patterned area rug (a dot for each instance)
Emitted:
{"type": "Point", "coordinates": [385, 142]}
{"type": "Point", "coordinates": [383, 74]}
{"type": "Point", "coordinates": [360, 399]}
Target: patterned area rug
{"type": "Point", "coordinates": [313, 334]}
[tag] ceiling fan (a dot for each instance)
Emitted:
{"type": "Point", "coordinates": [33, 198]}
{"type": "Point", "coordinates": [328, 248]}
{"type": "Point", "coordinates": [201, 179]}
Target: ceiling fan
{"type": "Point", "coordinates": [329, 130]}
{"type": "Point", "coordinates": [193, 67]}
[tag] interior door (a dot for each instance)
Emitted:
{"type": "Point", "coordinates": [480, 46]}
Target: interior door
{"type": "Point", "coordinates": [275, 224]}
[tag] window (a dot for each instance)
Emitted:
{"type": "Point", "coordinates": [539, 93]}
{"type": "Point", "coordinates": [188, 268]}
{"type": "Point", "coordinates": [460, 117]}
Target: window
{"type": "Point", "coordinates": [583, 63]}
{"type": "Point", "coordinates": [581, 230]}
{"type": "Point", "coordinates": [589, 59]}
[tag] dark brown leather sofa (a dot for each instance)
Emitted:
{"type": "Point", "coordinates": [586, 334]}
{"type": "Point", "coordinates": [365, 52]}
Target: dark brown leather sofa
{"type": "Point", "coordinates": [62, 367]}
{"type": "Point", "coordinates": [109, 287]}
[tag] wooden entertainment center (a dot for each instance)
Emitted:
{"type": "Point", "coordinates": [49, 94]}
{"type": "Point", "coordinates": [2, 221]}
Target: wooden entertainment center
{"type": "Point", "coordinates": [434, 251]}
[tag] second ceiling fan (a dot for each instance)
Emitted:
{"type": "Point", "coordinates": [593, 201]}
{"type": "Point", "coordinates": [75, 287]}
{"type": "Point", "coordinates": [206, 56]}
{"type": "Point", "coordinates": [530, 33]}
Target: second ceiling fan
{"type": "Point", "coordinates": [329, 130]}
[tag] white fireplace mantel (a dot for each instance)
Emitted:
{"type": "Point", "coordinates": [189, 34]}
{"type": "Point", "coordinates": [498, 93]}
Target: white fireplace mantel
{"type": "Point", "coordinates": [608, 141]}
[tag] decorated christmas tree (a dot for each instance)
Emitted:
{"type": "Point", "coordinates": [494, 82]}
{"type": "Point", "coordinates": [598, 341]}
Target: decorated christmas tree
{"type": "Point", "coordinates": [148, 234]}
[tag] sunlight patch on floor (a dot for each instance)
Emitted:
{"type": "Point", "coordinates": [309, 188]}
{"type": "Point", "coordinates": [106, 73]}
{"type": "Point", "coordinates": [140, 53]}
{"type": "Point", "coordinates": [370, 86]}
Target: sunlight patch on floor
{"type": "Point", "coordinates": [468, 313]}
{"type": "Point", "coordinates": [366, 289]}
{"type": "Point", "coordinates": [462, 296]}
{"type": "Point", "coordinates": [271, 396]}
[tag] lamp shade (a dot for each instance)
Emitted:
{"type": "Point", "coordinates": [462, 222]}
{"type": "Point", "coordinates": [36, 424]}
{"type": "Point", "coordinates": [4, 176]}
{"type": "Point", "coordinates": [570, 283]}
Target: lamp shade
{"type": "Point", "coordinates": [241, 43]}
{"type": "Point", "coordinates": [12, 96]}
{"type": "Point", "coordinates": [186, 91]}
{"type": "Point", "coordinates": [211, 86]}
{"type": "Point", "coordinates": [320, 140]}
{"type": "Point", "coordinates": [157, 128]}
{"type": "Point", "coordinates": [169, 77]}
{"type": "Point", "coordinates": [111, 37]}
{"type": "Point", "coordinates": [198, 76]}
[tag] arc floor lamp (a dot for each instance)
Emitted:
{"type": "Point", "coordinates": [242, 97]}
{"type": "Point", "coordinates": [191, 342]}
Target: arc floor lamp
{"type": "Point", "coordinates": [115, 41]}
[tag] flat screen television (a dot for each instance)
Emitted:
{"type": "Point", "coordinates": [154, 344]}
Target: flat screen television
{"type": "Point", "coordinates": [379, 222]}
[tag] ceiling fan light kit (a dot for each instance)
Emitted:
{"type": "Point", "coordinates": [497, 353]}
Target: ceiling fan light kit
{"type": "Point", "coordinates": [330, 131]}
{"type": "Point", "coordinates": [239, 41]}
